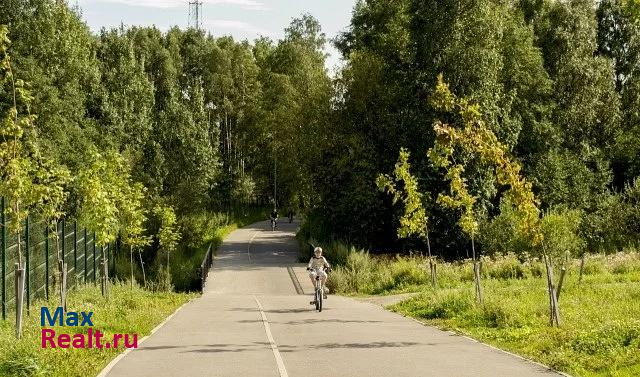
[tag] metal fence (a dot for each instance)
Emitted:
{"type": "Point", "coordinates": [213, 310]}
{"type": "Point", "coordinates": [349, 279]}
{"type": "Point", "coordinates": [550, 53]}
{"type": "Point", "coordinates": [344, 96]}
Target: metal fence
{"type": "Point", "coordinates": [76, 246]}
{"type": "Point", "coordinates": [207, 262]}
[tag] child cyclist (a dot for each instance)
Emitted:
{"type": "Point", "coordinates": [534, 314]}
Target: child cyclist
{"type": "Point", "coordinates": [316, 267]}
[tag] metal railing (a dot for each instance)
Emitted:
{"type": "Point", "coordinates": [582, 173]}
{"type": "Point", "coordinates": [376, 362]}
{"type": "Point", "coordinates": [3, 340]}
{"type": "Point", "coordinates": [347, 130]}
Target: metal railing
{"type": "Point", "coordinates": [76, 246]}
{"type": "Point", "coordinates": [205, 267]}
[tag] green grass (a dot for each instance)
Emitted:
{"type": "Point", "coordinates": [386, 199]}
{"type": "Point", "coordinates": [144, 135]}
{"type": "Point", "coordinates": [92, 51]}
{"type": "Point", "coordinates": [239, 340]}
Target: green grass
{"type": "Point", "coordinates": [600, 331]}
{"type": "Point", "coordinates": [128, 311]}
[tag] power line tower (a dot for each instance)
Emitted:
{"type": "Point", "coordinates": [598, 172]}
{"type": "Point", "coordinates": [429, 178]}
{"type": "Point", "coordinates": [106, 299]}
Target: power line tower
{"type": "Point", "coordinates": [195, 14]}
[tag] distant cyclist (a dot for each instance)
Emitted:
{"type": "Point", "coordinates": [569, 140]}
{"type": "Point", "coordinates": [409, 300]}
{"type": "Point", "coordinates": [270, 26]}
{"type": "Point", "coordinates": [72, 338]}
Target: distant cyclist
{"type": "Point", "coordinates": [290, 213]}
{"type": "Point", "coordinates": [274, 218]}
{"type": "Point", "coordinates": [318, 266]}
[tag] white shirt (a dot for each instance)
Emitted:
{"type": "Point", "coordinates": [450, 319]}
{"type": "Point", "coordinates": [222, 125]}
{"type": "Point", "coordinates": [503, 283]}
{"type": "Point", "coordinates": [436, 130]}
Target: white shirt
{"type": "Point", "coordinates": [317, 263]}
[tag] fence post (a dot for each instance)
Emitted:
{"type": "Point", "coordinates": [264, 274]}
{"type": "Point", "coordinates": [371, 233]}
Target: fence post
{"type": "Point", "coordinates": [116, 248]}
{"type": "Point", "coordinates": [107, 258]}
{"type": "Point", "coordinates": [4, 262]}
{"type": "Point", "coordinates": [28, 266]}
{"type": "Point", "coordinates": [101, 258]}
{"type": "Point", "coordinates": [94, 257]}
{"type": "Point", "coordinates": [64, 255]}
{"type": "Point", "coordinates": [46, 262]}
{"type": "Point", "coordinates": [75, 252]}
{"type": "Point", "coordinates": [85, 255]}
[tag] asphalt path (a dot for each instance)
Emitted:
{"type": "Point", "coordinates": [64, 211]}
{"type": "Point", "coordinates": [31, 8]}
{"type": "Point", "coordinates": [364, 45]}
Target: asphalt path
{"type": "Point", "coordinates": [254, 319]}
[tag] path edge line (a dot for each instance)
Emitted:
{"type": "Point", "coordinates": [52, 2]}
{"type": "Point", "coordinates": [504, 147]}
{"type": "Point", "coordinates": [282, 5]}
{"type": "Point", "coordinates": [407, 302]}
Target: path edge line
{"type": "Point", "coordinates": [105, 371]}
{"type": "Point", "coordinates": [523, 358]}
{"type": "Point", "coordinates": [274, 347]}
{"type": "Point", "coordinates": [294, 279]}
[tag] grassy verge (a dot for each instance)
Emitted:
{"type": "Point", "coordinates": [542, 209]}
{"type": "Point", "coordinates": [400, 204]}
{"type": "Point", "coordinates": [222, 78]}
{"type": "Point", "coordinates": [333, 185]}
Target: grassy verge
{"type": "Point", "coordinates": [129, 311]}
{"type": "Point", "coordinates": [600, 332]}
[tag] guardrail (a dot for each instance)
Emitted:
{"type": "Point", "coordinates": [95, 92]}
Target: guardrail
{"type": "Point", "coordinates": [204, 268]}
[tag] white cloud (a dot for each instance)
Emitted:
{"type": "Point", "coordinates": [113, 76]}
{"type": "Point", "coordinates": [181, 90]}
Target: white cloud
{"type": "Point", "coordinates": [236, 25]}
{"type": "Point", "coordinates": [244, 4]}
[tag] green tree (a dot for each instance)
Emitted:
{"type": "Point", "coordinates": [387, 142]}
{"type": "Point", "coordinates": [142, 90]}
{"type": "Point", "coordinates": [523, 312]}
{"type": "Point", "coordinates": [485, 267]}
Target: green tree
{"type": "Point", "coordinates": [472, 136]}
{"type": "Point", "coordinates": [404, 188]}
{"type": "Point", "coordinates": [29, 181]}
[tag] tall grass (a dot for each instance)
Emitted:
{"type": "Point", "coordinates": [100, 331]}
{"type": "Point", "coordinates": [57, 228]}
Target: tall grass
{"type": "Point", "coordinates": [600, 332]}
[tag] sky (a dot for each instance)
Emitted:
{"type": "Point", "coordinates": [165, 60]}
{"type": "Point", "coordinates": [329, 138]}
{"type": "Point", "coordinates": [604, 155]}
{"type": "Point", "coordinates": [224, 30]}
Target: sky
{"type": "Point", "coordinates": [243, 19]}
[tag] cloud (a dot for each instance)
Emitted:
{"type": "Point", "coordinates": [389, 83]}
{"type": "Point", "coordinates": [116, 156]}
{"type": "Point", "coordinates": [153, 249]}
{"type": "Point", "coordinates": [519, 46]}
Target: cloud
{"type": "Point", "coordinates": [244, 4]}
{"type": "Point", "coordinates": [236, 25]}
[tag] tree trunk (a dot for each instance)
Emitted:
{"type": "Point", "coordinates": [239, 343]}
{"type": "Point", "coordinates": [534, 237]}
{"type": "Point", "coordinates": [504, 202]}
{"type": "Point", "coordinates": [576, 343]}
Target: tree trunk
{"type": "Point", "coordinates": [62, 270]}
{"type": "Point", "coordinates": [19, 286]}
{"type": "Point", "coordinates": [105, 278]}
{"type": "Point", "coordinates": [563, 271]}
{"type": "Point", "coordinates": [144, 276]}
{"type": "Point", "coordinates": [432, 264]}
{"type": "Point", "coordinates": [476, 273]}
{"type": "Point", "coordinates": [131, 263]}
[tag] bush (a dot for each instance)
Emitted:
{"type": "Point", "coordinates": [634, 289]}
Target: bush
{"type": "Point", "coordinates": [501, 235]}
{"type": "Point", "coordinates": [357, 275]}
{"type": "Point", "coordinates": [560, 228]}
{"type": "Point", "coordinates": [337, 253]}
{"type": "Point", "coordinates": [593, 265]}
{"type": "Point", "coordinates": [200, 227]}
{"type": "Point", "coordinates": [615, 221]}
{"type": "Point", "coordinates": [534, 267]}
{"type": "Point", "coordinates": [497, 315]}
{"type": "Point", "coordinates": [162, 281]}
{"type": "Point", "coordinates": [400, 273]}
{"type": "Point", "coordinates": [507, 267]}
{"type": "Point", "coordinates": [624, 263]}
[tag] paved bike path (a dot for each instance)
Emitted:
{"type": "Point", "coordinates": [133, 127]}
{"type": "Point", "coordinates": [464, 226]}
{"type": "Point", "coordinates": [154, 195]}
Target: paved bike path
{"type": "Point", "coordinates": [251, 322]}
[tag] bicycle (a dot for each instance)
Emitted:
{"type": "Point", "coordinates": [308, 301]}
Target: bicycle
{"type": "Point", "coordinates": [274, 224]}
{"type": "Point", "coordinates": [318, 296]}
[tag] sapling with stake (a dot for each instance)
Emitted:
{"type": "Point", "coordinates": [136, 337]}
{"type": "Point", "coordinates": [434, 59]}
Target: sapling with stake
{"type": "Point", "coordinates": [473, 137]}
{"type": "Point", "coordinates": [404, 188]}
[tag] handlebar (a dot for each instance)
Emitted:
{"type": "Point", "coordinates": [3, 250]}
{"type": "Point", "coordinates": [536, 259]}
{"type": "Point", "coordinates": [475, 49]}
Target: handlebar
{"type": "Point", "coordinates": [327, 269]}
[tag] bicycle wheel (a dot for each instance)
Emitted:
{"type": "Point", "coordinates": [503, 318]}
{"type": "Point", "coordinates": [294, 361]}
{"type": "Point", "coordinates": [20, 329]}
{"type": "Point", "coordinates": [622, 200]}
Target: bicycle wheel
{"type": "Point", "coordinates": [320, 300]}
{"type": "Point", "coordinates": [318, 297]}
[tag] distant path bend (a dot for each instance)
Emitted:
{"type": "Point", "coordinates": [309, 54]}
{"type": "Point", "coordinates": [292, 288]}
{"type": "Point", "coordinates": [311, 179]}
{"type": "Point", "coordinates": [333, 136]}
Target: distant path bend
{"type": "Point", "coordinates": [251, 322]}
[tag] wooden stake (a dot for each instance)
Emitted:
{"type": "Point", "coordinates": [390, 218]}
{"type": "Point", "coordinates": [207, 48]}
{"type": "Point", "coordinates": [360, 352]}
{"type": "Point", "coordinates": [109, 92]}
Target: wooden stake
{"type": "Point", "coordinates": [476, 273]}
{"type": "Point", "coordinates": [563, 271]}
{"type": "Point", "coordinates": [432, 265]}
{"type": "Point", "coordinates": [554, 309]}
{"type": "Point", "coordinates": [144, 276]}
{"type": "Point", "coordinates": [63, 286]}
{"type": "Point", "coordinates": [19, 286]}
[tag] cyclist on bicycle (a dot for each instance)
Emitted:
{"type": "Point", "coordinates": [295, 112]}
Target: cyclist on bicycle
{"type": "Point", "coordinates": [317, 267]}
{"type": "Point", "coordinates": [290, 213]}
{"type": "Point", "coordinates": [274, 217]}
